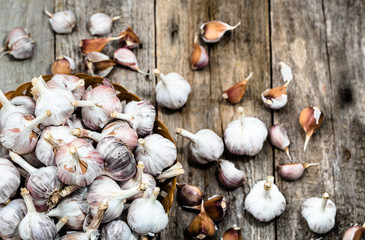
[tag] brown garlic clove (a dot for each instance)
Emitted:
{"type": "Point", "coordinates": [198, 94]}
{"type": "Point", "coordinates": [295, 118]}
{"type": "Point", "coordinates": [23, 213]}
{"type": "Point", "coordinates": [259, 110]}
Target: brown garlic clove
{"type": "Point", "coordinates": [216, 207]}
{"type": "Point", "coordinates": [354, 233]}
{"type": "Point", "coordinates": [278, 137]}
{"type": "Point", "coordinates": [199, 58]}
{"type": "Point", "coordinates": [233, 233]}
{"type": "Point", "coordinates": [129, 39]}
{"type": "Point", "coordinates": [189, 195]}
{"type": "Point", "coordinates": [310, 119]}
{"type": "Point", "coordinates": [127, 58]}
{"type": "Point", "coordinates": [98, 64]}
{"type": "Point", "coordinates": [275, 98]}
{"type": "Point", "coordinates": [213, 31]}
{"type": "Point", "coordinates": [235, 93]}
{"type": "Point", "coordinates": [293, 171]}
{"type": "Point", "coordinates": [202, 226]}
{"type": "Point", "coordinates": [95, 45]}
{"type": "Point", "coordinates": [63, 65]}
{"type": "Point", "coordinates": [229, 176]}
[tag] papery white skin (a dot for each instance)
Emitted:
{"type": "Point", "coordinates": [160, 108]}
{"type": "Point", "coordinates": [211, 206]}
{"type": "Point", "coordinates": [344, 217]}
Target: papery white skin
{"type": "Point", "coordinates": [245, 136]}
{"type": "Point", "coordinates": [75, 122]}
{"type": "Point", "coordinates": [14, 35]}
{"type": "Point", "coordinates": [69, 82]}
{"type": "Point", "coordinates": [95, 57]}
{"type": "Point", "coordinates": [23, 48]}
{"type": "Point", "coordinates": [229, 176]}
{"type": "Point", "coordinates": [117, 229]}
{"type": "Point", "coordinates": [62, 21]}
{"type": "Point", "coordinates": [9, 180]}
{"type": "Point", "coordinates": [156, 152]}
{"type": "Point", "coordinates": [206, 146]}
{"type": "Point", "coordinates": [276, 103]}
{"type": "Point", "coordinates": [10, 217]}
{"type": "Point", "coordinates": [227, 28]}
{"type": "Point", "coordinates": [320, 214]}
{"type": "Point", "coordinates": [101, 24]}
{"type": "Point", "coordinates": [264, 204]}
{"type": "Point", "coordinates": [285, 71]}
{"type": "Point", "coordinates": [60, 108]}
{"type": "Point", "coordinates": [172, 91]}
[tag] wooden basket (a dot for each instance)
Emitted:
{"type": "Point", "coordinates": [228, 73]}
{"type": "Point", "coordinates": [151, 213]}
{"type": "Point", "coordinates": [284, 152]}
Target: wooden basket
{"type": "Point", "coordinates": [168, 186]}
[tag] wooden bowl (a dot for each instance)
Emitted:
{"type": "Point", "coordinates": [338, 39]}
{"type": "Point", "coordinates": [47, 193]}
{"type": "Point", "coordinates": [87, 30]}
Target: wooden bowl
{"type": "Point", "coordinates": [169, 185]}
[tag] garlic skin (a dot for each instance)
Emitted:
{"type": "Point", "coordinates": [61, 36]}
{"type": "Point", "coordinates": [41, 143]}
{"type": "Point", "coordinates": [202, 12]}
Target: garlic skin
{"type": "Point", "coordinates": [189, 195]}
{"type": "Point", "coordinates": [319, 213]}
{"type": "Point", "coordinates": [278, 137]}
{"type": "Point", "coordinates": [63, 65]}
{"type": "Point", "coordinates": [233, 233]}
{"type": "Point", "coordinates": [19, 44]}
{"type": "Point", "coordinates": [95, 45]}
{"type": "Point", "coordinates": [310, 119]}
{"type": "Point", "coordinates": [265, 201]}
{"type": "Point", "coordinates": [246, 135]}
{"type": "Point", "coordinates": [213, 31]}
{"type": "Point", "coordinates": [127, 58]}
{"type": "Point", "coordinates": [62, 22]}
{"type": "Point", "coordinates": [117, 229]}
{"type": "Point", "coordinates": [202, 226]}
{"type": "Point", "coordinates": [78, 163]}
{"type": "Point", "coordinates": [9, 180]}
{"type": "Point", "coordinates": [147, 215]}
{"type": "Point", "coordinates": [293, 171]}
{"type": "Point", "coordinates": [235, 93]}
{"type": "Point", "coordinates": [129, 39]}
{"type": "Point", "coordinates": [101, 24]}
{"type": "Point", "coordinates": [229, 176]}
{"type": "Point", "coordinates": [199, 58]}
{"type": "Point", "coordinates": [206, 146]}
{"type": "Point", "coordinates": [10, 217]}
{"type": "Point", "coordinates": [172, 91]}
{"type": "Point", "coordinates": [98, 64]}
{"type": "Point", "coordinates": [156, 152]}
{"type": "Point", "coordinates": [354, 233]}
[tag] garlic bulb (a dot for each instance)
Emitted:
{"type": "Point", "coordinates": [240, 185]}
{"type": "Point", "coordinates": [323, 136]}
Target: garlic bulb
{"type": "Point", "coordinates": [246, 135]}
{"type": "Point", "coordinates": [62, 22]}
{"type": "Point", "coordinates": [213, 31]}
{"type": "Point", "coordinates": [98, 64]}
{"type": "Point", "coordinates": [69, 82]}
{"type": "Point", "coordinates": [229, 176]}
{"type": "Point", "coordinates": [140, 115]}
{"type": "Point", "coordinates": [199, 58]}
{"type": "Point", "coordinates": [10, 217]}
{"type": "Point", "coordinates": [202, 226]}
{"type": "Point", "coordinates": [35, 226]}
{"type": "Point", "coordinates": [63, 65]}
{"type": "Point", "coordinates": [129, 39]}
{"type": "Point", "coordinates": [41, 184]}
{"type": "Point", "coordinates": [206, 146]}
{"type": "Point", "coordinates": [354, 233]}
{"type": "Point", "coordinates": [101, 24]}
{"type": "Point", "coordinates": [106, 188]}
{"type": "Point", "coordinates": [189, 195]}
{"type": "Point", "coordinates": [293, 171]}
{"type": "Point", "coordinates": [265, 201]}
{"type": "Point", "coordinates": [79, 163]}
{"type": "Point", "coordinates": [97, 104]}
{"type": "Point", "coordinates": [20, 131]}
{"type": "Point", "coordinates": [310, 119]}
{"type": "Point", "coordinates": [120, 164]}
{"type": "Point", "coordinates": [9, 179]}
{"type": "Point", "coordinates": [60, 108]}
{"type": "Point", "coordinates": [95, 45]}
{"type": "Point", "coordinates": [117, 229]}
{"type": "Point", "coordinates": [127, 58]}
{"type": "Point", "coordinates": [156, 152]}
{"type": "Point", "coordinates": [147, 215]}
{"type": "Point", "coordinates": [233, 233]}
{"type": "Point", "coordinates": [235, 93]}
{"type": "Point", "coordinates": [278, 137]}
{"type": "Point", "coordinates": [319, 213]}
{"type": "Point", "coordinates": [74, 207]}
{"type": "Point", "coordinates": [19, 44]}
{"type": "Point", "coordinates": [172, 91]}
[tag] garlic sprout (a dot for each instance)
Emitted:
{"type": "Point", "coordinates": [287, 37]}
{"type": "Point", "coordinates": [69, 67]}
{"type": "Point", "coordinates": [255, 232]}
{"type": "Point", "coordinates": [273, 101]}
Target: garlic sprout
{"type": "Point", "coordinates": [117, 229]}
{"type": "Point", "coordinates": [9, 180]}
{"type": "Point", "coordinates": [10, 217]}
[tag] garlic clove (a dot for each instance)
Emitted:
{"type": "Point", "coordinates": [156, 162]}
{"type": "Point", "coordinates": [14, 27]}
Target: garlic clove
{"type": "Point", "coordinates": [101, 24]}
{"type": "Point", "coordinates": [319, 213]}
{"type": "Point", "coordinates": [62, 22]}
{"type": "Point", "coordinates": [354, 233]}
{"type": "Point", "coordinates": [189, 195]}
{"type": "Point", "coordinates": [278, 137]}
{"type": "Point", "coordinates": [95, 45]}
{"type": "Point", "coordinates": [202, 227]}
{"type": "Point", "coordinates": [129, 39]}
{"type": "Point", "coordinates": [9, 180]}
{"type": "Point", "coordinates": [293, 171]}
{"type": "Point", "coordinates": [10, 217]}
{"type": "Point", "coordinates": [233, 233]}
{"type": "Point", "coordinates": [98, 64]}
{"type": "Point", "coordinates": [199, 58]}
{"type": "Point", "coordinates": [216, 207]}
{"type": "Point", "coordinates": [127, 58]}
{"type": "Point", "coordinates": [19, 44]}
{"type": "Point", "coordinates": [63, 65]}
{"type": "Point", "coordinates": [213, 31]}
{"type": "Point", "coordinates": [235, 93]}
{"type": "Point", "coordinates": [229, 176]}
{"type": "Point", "coordinates": [310, 119]}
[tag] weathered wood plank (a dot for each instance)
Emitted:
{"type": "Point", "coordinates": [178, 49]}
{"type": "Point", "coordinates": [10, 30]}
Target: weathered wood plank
{"type": "Point", "coordinates": [29, 15]}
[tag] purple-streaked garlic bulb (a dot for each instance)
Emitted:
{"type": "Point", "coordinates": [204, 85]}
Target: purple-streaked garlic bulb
{"type": "Point", "coordinates": [117, 229]}
{"type": "Point", "coordinates": [156, 152]}
{"type": "Point", "coordinates": [60, 98]}
{"type": "Point", "coordinates": [52, 138]}
{"type": "Point", "coordinates": [127, 58]}
{"type": "Point", "coordinates": [120, 164]}
{"type": "Point", "coordinates": [74, 207]}
{"type": "Point", "coordinates": [20, 131]}
{"type": "Point", "coordinates": [79, 163]}
{"type": "Point", "coordinates": [10, 217]}
{"type": "Point", "coordinates": [35, 226]}
{"type": "Point", "coordinates": [41, 184]}
{"type": "Point", "coordinates": [9, 179]}
{"type": "Point", "coordinates": [278, 137]}
{"type": "Point", "coordinates": [140, 115]}
{"type": "Point", "coordinates": [354, 233]}
{"type": "Point", "coordinates": [97, 104]}
{"type": "Point", "coordinates": [229, 176]}
{"type": "Point", "coordinates": [206, 146]}
{"type": "Point", "coordinates": [69, 82]}
{"type": "Point", "coordinates": [106, 188]}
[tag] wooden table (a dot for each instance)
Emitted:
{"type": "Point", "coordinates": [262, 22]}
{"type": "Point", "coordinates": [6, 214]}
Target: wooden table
{"type": "Point", "coordinates": [323, 42]}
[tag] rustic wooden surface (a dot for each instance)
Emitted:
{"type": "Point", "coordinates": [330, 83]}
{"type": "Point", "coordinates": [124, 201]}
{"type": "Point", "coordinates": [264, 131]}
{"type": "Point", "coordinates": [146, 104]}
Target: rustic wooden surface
{"type": "Point", "coordinates": [323, 42]}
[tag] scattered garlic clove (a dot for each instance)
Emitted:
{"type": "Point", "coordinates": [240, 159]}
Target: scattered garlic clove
{"type": "Point", "coordinates": [319, 213]}
{"type": "Point", "coordinates": [9, 180]}
{"type": "Point", "coordinates": [63, 65]}
{"type": "Point", "coordinates": [310, 119]}
{"type": "Point", "coordinates": [293, 171]}
{"type": "Point", "coordinates": [216, 207]}
{"type": "Point", "coordinates": [206, 146]}
{"type": "Point", "coordinates": [229, 176]}
{"type": "Point", "coordinates": [213, 31]}
{"type": "Point", "coordinates": [117, 229]}
{"type": "Point", "coordinates": [19, 44]}
{"type": "Point", "coordinates": [235, 93]}
{"type": "Point", "coordinates": [199, 58]}
{"type": "Point", "coordinates": [95, 45]}
{"type": "Point", "coordinates": [278, 137]}
{"type": "Point", "coordinates": [127, 58]}
{"type": "Point", "coordinates": [233, 233]}
{"type": "Point", "coordinates": [68, 82]}
{"type": "Point", "coordinates": [202, 227]}
{"type": "Point", "coordinates": [246, 135]}
{"type": "Point", "coordinates": [265, 201]}
{"type": "Point", "coordinates": [189, 195]}
{"type": "Point", "coordinates": [129, 39]}
{"type": "Point", "coordinates": [354, 233]}
{"type": "Point", "coordinates": [98, 64]}
{"type": "Point", "coordinates": [10, 217]}
{"type": "Point", "coordinates": [101, 24]}
{"type": "Point", "coordinates": [172, 90]}
{"type": "Point", "coordinates": [62, 22]}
